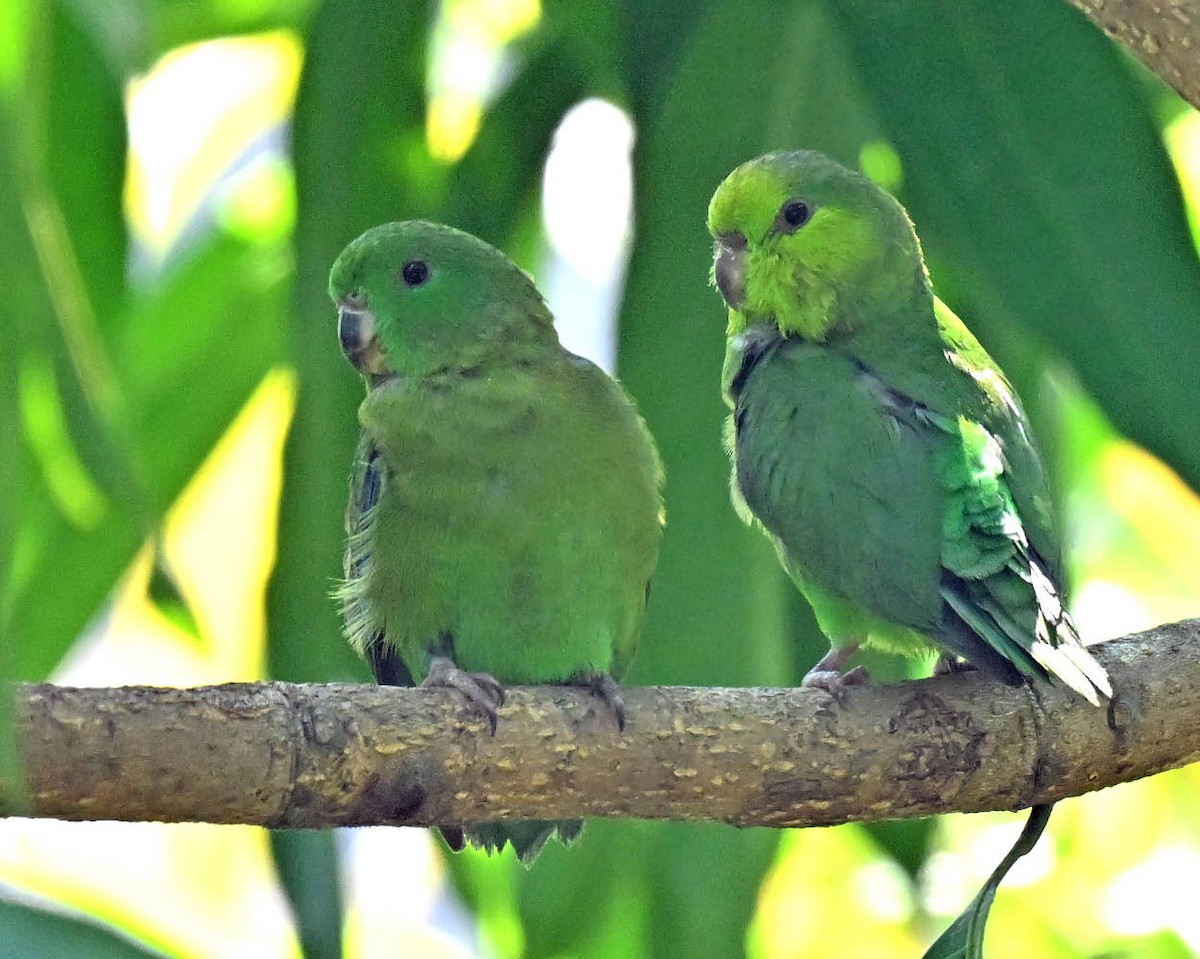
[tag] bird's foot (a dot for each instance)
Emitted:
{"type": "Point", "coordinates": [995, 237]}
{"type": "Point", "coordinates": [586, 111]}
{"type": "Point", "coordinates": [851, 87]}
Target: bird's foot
{"type": "Point", "coordinates": [948, 664]}
{"type": "Point", "coordinates": [833, 682]}
{"type": "Point", "coordinates": [604, 686]}
{"type": "Point", "coordinates": [827, 673]}
{"type": "Point", "coordinates": [482, 689]}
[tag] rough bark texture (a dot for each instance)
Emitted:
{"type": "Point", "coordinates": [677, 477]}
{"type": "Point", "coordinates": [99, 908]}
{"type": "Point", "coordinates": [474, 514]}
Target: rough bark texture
{"type": "Point", "coordinates": [285, 755]}
{"type": "Point", "coordinates": [1163, 34]}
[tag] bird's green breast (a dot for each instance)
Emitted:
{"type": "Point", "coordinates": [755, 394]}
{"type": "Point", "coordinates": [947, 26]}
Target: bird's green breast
{"type": "Point", "coordinates": [837, 474]}
{"type": "Point", "coordinates": [518, 518]}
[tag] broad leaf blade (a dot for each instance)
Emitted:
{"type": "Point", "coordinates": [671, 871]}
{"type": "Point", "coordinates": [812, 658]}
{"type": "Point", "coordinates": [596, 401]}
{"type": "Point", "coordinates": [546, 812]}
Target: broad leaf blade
{"type": "Point", "coordinates": [1040, 186]}
{"type": "Point", "coordinates": [964, 937]}
{"type": "Point", "coordinates": [307, 863]}
{"type": "Point", "coordinates": [359, 127]}
{"type": "Point", "coordinates": [27, 932]}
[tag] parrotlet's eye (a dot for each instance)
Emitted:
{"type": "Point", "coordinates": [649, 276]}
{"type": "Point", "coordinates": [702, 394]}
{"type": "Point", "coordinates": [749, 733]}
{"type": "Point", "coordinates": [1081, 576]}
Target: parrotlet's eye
{"type": "Point", "coordinates": [793, 215]}
{"type": "Point", "coordinates": [414, 272]}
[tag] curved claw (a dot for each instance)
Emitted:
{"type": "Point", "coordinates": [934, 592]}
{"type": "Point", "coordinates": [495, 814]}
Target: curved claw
{"type": "Point", "coordinates": [948, 664]}
{"type": "Point", "coordinates": [604, 686]}
{"type": "Point", "coordinates": [482, 689]}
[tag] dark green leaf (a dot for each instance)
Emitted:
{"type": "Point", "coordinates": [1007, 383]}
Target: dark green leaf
{"type": "Point", "coordinates": [964, 938]}
{"type": "Point", "coordinates": [1033, 165]}
{"type": "Point", "coordinates": [221, 310]}
{"type": "Point", "coordinates": [358, 146]}
{"type": "Point", "coordinates": [500, 177]}
{"type": "Point", "coordinates": [66, 251]}
{"type": "Point", "coordinates": [307, 863]}
{"type": "Point", "coordinates": [908, 841]}
{"type": "Point", "coordinates": [27, 932]}
{"type": "Point", "coordinates": [164, 592]}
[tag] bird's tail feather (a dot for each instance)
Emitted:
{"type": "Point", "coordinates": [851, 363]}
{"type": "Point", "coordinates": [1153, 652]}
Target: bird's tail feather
{"type": "Point", "coordinates": [1058, 646]}
{"type": "Point", "coordinates": [983, 627]}
{"type": "Point", "coordinates": [1038, 639]}
{"type": "Point", "coordinates": [527, 837]}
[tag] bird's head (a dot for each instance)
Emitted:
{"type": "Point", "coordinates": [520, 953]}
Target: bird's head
{"type": "Point", "coordinates": [415, 298]}
{"type": "Point", "coordinates": [808, 246]}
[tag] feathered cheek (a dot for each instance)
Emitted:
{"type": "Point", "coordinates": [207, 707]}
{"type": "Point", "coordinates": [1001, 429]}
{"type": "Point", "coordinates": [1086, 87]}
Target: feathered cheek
{"type": "Point", "coordinates": [770, 286]}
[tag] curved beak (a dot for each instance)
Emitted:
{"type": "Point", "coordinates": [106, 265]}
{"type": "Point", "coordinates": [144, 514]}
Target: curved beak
{"type": "Point", "coordinates": [356, 333]}
{"type": "Point", "coordinates": [729, 267]}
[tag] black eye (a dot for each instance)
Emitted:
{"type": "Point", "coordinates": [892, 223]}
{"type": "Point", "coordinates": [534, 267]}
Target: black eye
{"type": "Point", "coordinates": [414, 272]}
{"type": "Point", "coordinates": [793, 215]}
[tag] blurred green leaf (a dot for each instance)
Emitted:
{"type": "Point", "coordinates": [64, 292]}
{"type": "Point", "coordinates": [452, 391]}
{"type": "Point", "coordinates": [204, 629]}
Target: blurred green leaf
{"type": "Point", "coordinates": [66, 251]}
{"type": "Point", "coordinates": [1033, 165]}
{"type": "Point", "coordinates": [651, 42]}
{"type": "Point", "coordinates": [356, 150]}
{"type": "Point", "coordinates": [79, 93]}
{"type": "Point", "coordinates": [222, 308]}
{"type": "Point", "coordinates": [166, 24]}
{"type": "Point", "coordinates": [358, 141]}
{"type": "Point", "coordinates": [220, 312]}
{"type": "Point", "coordinates": [908, 841]}
{"type": "Point", "coordinates": [964, 938]}
{"type": "Point", "coordinates": [1162, 945]}
{"type": "Point", "coordinates": [27, 932]}
{"type": "Point", "coordinates": [307, 863]}
{"type": "Point", "coordinates": [164, 592]}
{"type": "Point", "coordinates": [117, 393]}
{"type": "Point", "coordinates": [499, 179]}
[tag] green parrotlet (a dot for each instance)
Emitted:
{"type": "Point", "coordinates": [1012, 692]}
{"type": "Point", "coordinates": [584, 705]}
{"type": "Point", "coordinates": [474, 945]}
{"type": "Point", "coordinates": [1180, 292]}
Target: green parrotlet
{"type": "Point", "coordinates": [505, 508]}
{"type": "Point", "coordinates": [873, 439]}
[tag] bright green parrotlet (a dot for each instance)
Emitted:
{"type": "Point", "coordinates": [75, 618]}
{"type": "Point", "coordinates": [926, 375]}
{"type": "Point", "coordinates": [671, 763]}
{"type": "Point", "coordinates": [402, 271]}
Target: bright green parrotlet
{"type": "Point", "coordinates": [874, 440]}
{"type": "Point", "coordinates": [505, 513]}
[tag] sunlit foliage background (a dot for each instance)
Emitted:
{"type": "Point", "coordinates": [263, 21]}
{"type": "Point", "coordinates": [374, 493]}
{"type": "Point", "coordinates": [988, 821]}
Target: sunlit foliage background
{"type": "Point", "coordinates": [176, 420]}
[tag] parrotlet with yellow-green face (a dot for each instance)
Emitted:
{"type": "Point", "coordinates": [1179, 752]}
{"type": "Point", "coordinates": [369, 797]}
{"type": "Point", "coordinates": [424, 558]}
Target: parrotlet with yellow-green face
{"type": "Point", "coordinates": [875, 442]}
{"type": "Point", "coordinates": [505, 509]}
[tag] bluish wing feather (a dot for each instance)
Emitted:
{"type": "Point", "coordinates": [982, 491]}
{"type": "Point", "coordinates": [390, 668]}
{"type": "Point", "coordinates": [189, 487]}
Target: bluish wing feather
{"type": "Point", "coordinates": [366, 484]}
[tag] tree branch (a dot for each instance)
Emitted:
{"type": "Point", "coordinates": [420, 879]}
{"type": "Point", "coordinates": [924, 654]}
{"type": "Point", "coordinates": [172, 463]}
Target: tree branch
{"type": "Point", "coordinates": [283, 755]}
{"type": "Point", "coordinates": [1163, 34]}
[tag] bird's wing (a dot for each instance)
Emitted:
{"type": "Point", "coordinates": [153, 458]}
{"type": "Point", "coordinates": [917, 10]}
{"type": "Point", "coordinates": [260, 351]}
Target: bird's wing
{"type": "Point", "coordinates": [366, 484]}
{"type": "Point", "coordinates": [942, 367]}
{"type": "Point", "coordinates": [995, 584]}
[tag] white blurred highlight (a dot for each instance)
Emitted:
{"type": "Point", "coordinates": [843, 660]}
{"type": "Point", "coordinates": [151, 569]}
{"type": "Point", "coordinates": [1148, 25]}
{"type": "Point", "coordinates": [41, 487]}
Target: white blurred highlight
{"type": "Point", "coordinates": [587, 207]}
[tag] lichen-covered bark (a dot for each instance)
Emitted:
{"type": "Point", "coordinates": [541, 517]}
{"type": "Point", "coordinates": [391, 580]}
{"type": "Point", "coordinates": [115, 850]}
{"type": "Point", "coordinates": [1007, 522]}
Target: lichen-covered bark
{"type": "Point", "coordinates": [284, 755]}
{"type": "Point", "coordinates": [1163, 34]}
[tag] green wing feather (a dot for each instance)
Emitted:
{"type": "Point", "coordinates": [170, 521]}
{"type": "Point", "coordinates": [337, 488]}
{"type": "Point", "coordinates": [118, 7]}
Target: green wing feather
{"type": "Point", "coordinates": [943, 368]}
{"type": "Point", "coordinates": [361, 625]}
